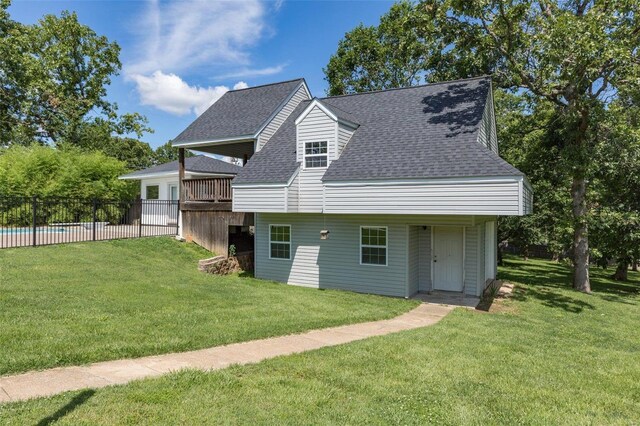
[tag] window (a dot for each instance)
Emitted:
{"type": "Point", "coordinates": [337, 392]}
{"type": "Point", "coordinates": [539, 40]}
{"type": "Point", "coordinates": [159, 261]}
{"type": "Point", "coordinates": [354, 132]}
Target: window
{"type": "Point", "coordinates": [173, 193]}
{"type": "Point", "coordinates": [279, 242]}
{"type": "Point", "coordinates": [373, 245]}
{"type": "Point", "coordinates": [315, 154]}
{"type": "Point", "coordinates": [153, 192]}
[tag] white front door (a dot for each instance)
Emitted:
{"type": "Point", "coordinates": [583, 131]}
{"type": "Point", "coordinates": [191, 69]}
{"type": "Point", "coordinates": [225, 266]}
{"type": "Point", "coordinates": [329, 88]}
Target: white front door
{"type": "Point", "coordinates": [447, 258]}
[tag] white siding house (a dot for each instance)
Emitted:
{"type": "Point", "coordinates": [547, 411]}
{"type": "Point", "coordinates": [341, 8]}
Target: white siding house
{"type": "Point", "coordinates": [392, 192]}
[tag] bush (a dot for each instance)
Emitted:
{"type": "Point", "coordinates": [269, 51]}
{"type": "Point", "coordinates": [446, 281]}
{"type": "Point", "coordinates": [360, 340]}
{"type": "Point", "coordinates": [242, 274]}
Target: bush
{"type": "Point", "coordinates": [65, 173]}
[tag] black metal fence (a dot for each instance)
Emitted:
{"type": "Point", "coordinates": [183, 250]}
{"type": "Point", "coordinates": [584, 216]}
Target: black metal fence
{"type": "Point", "coordinates": [32, 221]}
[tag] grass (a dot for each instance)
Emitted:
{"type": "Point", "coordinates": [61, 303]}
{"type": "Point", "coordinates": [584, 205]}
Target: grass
{"type": "Point", "coordinates": [78, 303]}
{"type": "Point", "coordinates": [549, 355]}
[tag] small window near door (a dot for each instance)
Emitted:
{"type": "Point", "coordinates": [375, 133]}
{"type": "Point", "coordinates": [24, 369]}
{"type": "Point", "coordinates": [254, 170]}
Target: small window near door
{"type": "Point", "coordinates": [373, 245]}
{"type": "Point", "coordinates": [152, 192]}
{"type": "Point", "coordinates": [279, 242]}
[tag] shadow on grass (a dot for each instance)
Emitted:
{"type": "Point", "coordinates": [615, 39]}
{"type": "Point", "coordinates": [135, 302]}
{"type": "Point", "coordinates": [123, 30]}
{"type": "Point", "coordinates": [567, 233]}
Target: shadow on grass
{"type": "Point", "coordinates": [75, 402]}
{"type": "Point", "coordinates": [553, 299]}
{"type": "Point", "coordinates": [246, 274]}
{"type": "Point", "coordinates": [542, 277]}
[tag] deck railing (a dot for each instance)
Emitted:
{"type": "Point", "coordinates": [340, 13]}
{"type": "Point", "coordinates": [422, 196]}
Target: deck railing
{"type": "Point", "coordinates": [217, 190]}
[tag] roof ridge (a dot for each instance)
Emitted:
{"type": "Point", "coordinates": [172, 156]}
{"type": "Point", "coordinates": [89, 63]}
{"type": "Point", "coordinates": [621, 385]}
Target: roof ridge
{"type": "Point", "coordinates": [268, 84]}
{"type": "Point", "coordinates": [408, 87]}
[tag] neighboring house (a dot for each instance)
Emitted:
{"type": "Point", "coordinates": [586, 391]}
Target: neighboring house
{"type": "Point", "coordinates": [391, 192]}
{"type": "Point", "coordinates": [161, 183]}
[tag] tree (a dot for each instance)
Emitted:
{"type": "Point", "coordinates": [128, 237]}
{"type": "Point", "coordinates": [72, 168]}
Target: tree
{"type": "Point", "coordinates": [616, 220]}
{"type": "Point", "coordinates": [54, 81]}
{"type": "Point", "coordinates": [577, 55]}
{"type": "Point", "coordinates": [373, 58]}
{"type": "Point", "coordinates": [166, 153]}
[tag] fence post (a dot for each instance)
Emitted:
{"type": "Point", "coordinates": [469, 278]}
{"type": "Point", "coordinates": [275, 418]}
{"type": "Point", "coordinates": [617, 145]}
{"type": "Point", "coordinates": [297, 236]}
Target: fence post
{"type": "Point", "coordinates": [178, 218]}
{"type": "Point", "coordinates": [95, 217]}
{"type": "Point", "coordinates": [34, 219]}
{"type": "Point", "coordinates": [140, 221]}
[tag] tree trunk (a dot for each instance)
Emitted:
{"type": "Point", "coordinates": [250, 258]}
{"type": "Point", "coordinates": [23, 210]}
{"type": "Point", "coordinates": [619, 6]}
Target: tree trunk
{"type": "Point", "coordinates": [580, 235]}
{"type": "Point", "coordinates": [621, 272]}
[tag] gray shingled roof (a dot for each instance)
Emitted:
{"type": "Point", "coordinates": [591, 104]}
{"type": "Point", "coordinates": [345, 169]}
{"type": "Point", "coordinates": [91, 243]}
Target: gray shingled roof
{"type": "Point", "coordinates": [198, 164]}
{"type": "Point", "coordinates": [238, 112]}
{"type": "Point", "coordinates": [341, 114]}
{"type": "Point", "coordinates": [427, 131]}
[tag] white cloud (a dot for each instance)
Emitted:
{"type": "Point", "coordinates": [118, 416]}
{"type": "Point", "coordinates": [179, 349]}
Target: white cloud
{"type": "Point", "coordinates": [169, 93]}
{"type": "Point", "coordinates": [251, 72]}
{"type": "Point", "coordinates": [187, 37]}
{"type": "Point", "coordinates": [183, 35]}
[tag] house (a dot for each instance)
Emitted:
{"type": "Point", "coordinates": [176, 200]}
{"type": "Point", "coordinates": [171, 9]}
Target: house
{"type": "Point", "coordinates": [391, 192]}
{"type": "Point", "coordinates": [206, 182]}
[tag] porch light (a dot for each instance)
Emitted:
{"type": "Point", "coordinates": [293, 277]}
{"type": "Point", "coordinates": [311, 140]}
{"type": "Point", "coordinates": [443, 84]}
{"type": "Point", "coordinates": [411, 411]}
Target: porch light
{"type": "Point", "coordinates": [324, 234]}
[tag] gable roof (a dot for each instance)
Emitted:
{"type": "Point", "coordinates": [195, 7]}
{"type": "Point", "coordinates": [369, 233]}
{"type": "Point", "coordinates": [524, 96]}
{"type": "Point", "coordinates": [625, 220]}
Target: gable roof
{"type": "Point", "coordinates": [331, 110]}
{"type": "Point", "coordinates": [197, 164]}
{"type": "Point", "coordinates": [418, 132]}
{"type": "Point", "coordinates": [238, 113]}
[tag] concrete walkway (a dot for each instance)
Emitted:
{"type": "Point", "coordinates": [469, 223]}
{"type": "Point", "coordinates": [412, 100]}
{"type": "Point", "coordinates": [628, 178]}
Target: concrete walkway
{"type": "Point", "coordinates": [50, 382]}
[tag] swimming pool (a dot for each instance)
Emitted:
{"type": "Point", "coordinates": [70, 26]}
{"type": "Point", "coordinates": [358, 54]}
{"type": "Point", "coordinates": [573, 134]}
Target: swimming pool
{"type": "Point", "coordinates": [39, 230]}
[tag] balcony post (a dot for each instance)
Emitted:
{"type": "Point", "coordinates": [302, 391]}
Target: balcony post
{"type": "Point", "coordinates": [181, 175]}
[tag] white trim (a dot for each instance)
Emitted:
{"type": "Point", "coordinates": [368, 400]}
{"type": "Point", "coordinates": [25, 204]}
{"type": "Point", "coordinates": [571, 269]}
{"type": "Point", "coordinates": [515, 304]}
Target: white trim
{"type": "Point", "coordinates": [171, 174]}
{"type": "Point", "coordinates": [286, 199]}
{"type": "Point", "coordinates": [305, 155]}
{"type": "Point", "coordinates": [146, 186]}
{"type": "Point", "coordinates": [408, 257]}
{"type": "Point", "coordinates": [280, 242]}
{"type": "Point", "coordinates": [429, 181]}
{"type": "Point", "coordinates": [258, 185]}
{"type": "Point", "coordinates": [219, 141]}
{"type": "Point", "coordinates": [520, 199]}
{"type": "Point", "coordinates": [386, 246]}
{"type": "Point", "coordinates": [464, 258]}
{"type": "Point", "coordinates": [432, 266]}
{"type": "Point", "coordinates": [308, 109]}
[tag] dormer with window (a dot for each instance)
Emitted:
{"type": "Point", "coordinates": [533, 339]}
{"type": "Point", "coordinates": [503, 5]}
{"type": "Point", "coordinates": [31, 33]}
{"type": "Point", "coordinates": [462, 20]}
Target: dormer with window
{"type": "Point", "coordinates": [322, 131]}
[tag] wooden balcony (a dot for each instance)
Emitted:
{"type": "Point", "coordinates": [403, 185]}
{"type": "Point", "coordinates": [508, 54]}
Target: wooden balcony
{"type": "Point", "coordinates": [207, 193]}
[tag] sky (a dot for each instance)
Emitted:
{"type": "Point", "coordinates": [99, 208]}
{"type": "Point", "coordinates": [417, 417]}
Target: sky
{"type": "Point", "coordinates": [180, 56]}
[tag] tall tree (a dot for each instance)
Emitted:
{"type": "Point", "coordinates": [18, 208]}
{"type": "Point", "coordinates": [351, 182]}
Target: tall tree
{"type": "Point", "coordinates": [386, 56]}
{"type": "Point", "coordinates": [576, 55]}
{"type": "Point", "coordinates": [53, 81]}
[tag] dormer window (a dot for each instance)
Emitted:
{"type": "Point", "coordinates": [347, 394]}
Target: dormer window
{"type": "Point", "coordinates": [315, 154]}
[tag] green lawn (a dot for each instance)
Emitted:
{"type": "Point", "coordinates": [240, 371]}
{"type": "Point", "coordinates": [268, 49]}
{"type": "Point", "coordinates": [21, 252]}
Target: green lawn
{"type": "Point", "coordinates": [547, 356]}
{"type": "Point", "coordinates": [78, 303]}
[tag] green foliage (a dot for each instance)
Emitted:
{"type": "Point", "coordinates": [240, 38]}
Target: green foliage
{"type": "Point", "coordinates": [54, 80]}
{"type": "Point", "coordinates": [69, 172]}
{"type": "Point", "coordinates": [389, 55]}
{"type": "Point", "coordinates": [167, 153]}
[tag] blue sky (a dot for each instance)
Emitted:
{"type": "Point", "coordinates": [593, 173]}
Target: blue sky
{"type": "Point", "coordinates": [179, 56]}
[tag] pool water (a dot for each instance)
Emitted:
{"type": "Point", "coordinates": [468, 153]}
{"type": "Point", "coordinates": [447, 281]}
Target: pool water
{"type": "Point", "coordinates": [12, 231]}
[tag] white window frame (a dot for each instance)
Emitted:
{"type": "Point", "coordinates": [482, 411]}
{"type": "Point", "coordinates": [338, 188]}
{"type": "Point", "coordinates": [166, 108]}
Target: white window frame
{"type": "Point", "coordinates": [280, 242]}
{"type": "Point", "coordinates": [305, 155]}
{"type": "Point", "coordinates": [386, 246]}
{"type": "Point", "coordinates": [146, 190]}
